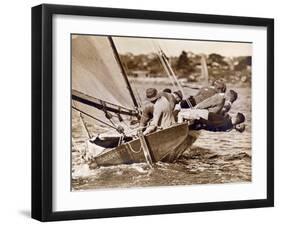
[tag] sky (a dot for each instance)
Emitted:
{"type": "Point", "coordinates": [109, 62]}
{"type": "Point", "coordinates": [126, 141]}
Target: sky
{"type": "Point", "coordinates": [174, 47]}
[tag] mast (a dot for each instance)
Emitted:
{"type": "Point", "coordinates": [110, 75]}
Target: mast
{"type": "Point", "coordinates": [123, 71]}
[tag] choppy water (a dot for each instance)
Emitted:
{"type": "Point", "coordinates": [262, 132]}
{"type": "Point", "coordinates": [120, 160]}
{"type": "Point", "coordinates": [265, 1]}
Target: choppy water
{"type": "Point", "coordinates": [216, 157]}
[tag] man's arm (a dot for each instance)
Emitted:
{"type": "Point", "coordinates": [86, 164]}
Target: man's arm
{"type": "Point", "coordinates": [147, 115]}
{"type": "Point", "coordinates": [156, 118]}
{"type": "Point", "coordinates": [144, 121]}
{"type": "Point", "coordinates": [226, 108]}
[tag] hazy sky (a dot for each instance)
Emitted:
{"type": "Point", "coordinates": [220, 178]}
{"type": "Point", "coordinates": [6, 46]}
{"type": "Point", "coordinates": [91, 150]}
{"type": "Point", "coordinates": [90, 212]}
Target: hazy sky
{"type": "Point", "coordinates": [174, 47]}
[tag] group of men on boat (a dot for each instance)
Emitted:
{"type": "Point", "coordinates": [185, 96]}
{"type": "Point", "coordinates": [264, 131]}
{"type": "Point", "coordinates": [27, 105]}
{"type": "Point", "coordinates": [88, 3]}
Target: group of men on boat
{"type": "Point", "coordinates": [208, 109]}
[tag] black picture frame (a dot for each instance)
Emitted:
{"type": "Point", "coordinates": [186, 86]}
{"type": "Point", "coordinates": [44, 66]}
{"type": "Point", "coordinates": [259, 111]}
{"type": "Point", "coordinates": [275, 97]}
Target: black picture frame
{"type": "Point", "coordinates": [42, 108]}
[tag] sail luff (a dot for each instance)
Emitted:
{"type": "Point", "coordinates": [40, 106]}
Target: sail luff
{"type": "Point", "coordinates": [123, 71]}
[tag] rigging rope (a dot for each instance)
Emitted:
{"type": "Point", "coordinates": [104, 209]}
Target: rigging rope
{"type": "Point", "coordinates": [119, 128]}
{"type": "Point", "coordinates": [107, 124]}
{"type": "Point", "coordinates": [108, 115]}
{"type": "Point", "coordinates": [85, 125]}
{"type": "Point", "coordinates": [170, 72]}
{"type": "Point", "coordinates": [174, 76]}
{"type": "Point", "coordinates": [157, 50]}
{"type": "Point", "coordinates": [167, 71]}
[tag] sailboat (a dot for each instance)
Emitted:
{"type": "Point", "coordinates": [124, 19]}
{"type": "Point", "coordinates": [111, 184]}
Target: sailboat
{"type": "Point", "coordinates": [102, 92]}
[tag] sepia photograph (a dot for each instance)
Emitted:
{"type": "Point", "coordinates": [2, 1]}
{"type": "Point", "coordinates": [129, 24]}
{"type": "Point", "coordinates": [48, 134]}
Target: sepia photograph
{"type": "Point", "coordinates": [141, 112]}
{"type": "Point", "coordinates": [150, 112]}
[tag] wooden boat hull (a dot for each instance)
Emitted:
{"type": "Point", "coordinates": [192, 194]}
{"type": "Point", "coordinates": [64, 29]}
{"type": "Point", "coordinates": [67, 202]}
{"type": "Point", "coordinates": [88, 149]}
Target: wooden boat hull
{"type": "Point", "coordinates": [165, 145]}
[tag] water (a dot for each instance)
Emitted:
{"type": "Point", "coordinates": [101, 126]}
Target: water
{"type": "Point", "coordinates": [216, 157]}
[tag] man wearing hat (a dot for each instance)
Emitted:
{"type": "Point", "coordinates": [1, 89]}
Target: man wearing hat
{"type": "Point", "coordinates": [147, 112]}
{"type": "Point", "coordinates": [162, 109]}
{"type": "Point", "coordinates": [174, 98]}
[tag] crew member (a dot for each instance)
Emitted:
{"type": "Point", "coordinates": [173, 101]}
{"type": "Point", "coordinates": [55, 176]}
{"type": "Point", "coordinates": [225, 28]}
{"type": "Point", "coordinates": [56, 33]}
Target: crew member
{"type": "Point", "coordinates": [216, 122]}
{"type": "Point", "coordinates": [230, 98]}
{"type": "Point", "coordinates": [163, 112]}
{"type": "Point", "coordinates": [204, 93]}
{"type": "Point", "coordinates": [147, 112]}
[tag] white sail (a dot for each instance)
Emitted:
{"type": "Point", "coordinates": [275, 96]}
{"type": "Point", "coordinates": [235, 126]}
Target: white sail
{"type": "Point", "coordinates": [97, 74]}
{"type": "Point", "coordinates": [95, 71]}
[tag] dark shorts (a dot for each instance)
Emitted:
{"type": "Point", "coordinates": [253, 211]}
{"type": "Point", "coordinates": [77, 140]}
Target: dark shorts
{"type": "Point", "coordinates": [184, 103]}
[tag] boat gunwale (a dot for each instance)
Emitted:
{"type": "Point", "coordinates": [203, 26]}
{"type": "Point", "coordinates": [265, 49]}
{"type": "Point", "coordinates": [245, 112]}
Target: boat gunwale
{"type": "Point", "coordinates": [129, 142]}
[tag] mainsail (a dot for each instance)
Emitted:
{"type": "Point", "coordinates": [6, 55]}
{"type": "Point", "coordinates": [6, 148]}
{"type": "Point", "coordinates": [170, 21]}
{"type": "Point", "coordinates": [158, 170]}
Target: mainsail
{"type": "Point", "coordinates": [98, 86]}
